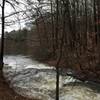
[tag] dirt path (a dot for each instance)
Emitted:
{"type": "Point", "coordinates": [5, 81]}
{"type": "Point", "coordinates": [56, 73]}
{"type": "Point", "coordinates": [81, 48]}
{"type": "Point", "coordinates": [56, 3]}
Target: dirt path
{"type": "Point", "coordinates": [7, 93]}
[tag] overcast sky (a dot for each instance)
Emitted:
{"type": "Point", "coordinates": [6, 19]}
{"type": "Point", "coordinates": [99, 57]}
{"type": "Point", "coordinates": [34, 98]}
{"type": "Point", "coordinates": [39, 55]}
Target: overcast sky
{"type": "Point", "coordinates": [9, 10]}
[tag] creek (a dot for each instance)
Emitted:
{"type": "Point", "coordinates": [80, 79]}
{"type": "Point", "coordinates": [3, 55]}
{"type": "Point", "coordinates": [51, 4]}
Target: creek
{"type": "Point", "coordinates": [33, 79]}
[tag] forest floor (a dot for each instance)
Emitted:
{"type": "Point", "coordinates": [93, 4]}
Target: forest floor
{"type": "Point", "coordinates": [6, 93]}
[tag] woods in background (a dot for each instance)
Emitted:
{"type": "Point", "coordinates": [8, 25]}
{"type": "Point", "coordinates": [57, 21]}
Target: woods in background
{"type": "Point", "coordinates": [78, 26]}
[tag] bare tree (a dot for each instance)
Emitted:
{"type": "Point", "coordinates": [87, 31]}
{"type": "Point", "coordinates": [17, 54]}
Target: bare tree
{"type": "Point", "coordinates": [2, 35]}
{"type": "Point", "coordinates": [57, 66]}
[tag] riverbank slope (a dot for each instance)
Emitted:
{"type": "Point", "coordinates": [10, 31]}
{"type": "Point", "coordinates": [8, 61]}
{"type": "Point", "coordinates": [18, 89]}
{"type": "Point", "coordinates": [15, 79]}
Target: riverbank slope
{"type": "Point", "coordinates": [6, 93]}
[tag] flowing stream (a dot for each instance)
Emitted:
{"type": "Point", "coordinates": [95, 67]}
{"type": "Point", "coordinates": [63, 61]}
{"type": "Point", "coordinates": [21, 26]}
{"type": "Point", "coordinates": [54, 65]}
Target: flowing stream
{"type": "Point", "coordinates": [33, 79]}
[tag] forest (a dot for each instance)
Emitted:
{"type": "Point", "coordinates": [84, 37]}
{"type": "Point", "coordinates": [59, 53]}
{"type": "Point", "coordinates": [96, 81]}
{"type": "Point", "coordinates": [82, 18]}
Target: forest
{"type": "Point", "coordinates": [61, 33]}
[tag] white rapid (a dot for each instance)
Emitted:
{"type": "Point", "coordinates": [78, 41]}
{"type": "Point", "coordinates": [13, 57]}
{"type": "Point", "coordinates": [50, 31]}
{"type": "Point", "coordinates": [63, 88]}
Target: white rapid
{"type": "Point", "coordinates": [32, 79]}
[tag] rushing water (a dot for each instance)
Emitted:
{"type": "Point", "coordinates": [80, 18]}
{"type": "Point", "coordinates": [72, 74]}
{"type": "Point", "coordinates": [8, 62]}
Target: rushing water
{"type": "Point", "coordinates": [33, 79]}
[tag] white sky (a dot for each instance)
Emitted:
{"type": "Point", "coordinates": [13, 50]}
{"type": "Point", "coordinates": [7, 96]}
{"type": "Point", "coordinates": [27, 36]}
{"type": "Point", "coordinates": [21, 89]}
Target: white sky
{"type": "Point", "coordinates": [9, 10]}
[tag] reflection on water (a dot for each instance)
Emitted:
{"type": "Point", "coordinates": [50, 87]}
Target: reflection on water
{"type": "Point", "coordinates": [33, 79]}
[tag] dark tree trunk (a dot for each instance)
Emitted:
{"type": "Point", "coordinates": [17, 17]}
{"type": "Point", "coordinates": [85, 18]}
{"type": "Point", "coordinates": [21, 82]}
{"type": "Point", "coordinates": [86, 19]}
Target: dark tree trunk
{"type": "Point", "coordinates": [2, 35]}
{"type": "Point", "coordinates": [57, 16]}
{"type": "Point", "coordinates": [53, 34]}
{"type": "Point", "coordinates": [57, 66]}
{"type": "Point", "coordinates": [95, 19]}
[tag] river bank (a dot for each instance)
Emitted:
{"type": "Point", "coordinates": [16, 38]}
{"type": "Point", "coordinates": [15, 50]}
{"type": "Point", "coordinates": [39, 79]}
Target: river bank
{"type": "Point", "coordinates": [6, 93]}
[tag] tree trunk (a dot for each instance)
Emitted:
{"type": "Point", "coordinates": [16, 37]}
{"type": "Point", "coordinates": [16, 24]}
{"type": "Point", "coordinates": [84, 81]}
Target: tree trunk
{"type": "Point", "coordinates": [2, 35]}
{"type": "Point", "coordinates": [57, 65]}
